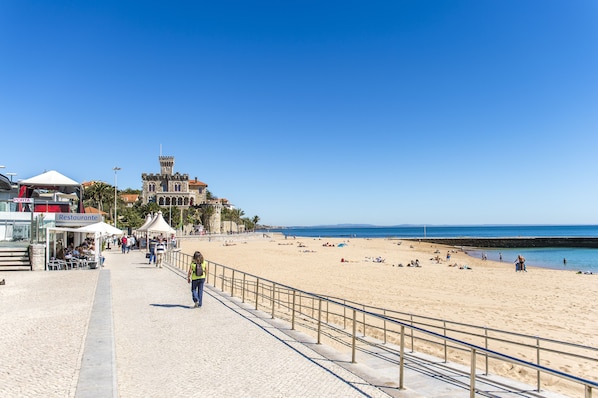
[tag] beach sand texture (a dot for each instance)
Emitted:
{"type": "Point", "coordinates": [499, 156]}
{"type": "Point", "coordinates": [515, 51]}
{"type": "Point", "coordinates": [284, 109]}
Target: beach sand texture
{"type": "Point", "coordinates": [553, 304]}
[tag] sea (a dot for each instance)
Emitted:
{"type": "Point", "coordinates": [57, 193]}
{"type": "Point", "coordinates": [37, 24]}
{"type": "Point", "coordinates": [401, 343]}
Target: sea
{"type": "Point", "coordinates": [575, 259]}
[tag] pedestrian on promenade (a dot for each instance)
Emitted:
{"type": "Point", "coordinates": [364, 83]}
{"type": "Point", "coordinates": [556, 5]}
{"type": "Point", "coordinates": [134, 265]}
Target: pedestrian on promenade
{"type": "Point", "coordinates": [123, 244]}
{"type": "Point", "coordinates": [152, 250]}
{"type": "Point", "coordinates": [160, 249]}
{"type": "Point", "coordinates": [130, 243]}
{"type": "Point", "coordinates": [196, 276]}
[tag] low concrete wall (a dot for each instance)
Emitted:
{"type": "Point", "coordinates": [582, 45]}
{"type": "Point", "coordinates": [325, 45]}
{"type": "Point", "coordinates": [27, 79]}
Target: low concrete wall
{"type": "Point", "coordinates": [507, 243]}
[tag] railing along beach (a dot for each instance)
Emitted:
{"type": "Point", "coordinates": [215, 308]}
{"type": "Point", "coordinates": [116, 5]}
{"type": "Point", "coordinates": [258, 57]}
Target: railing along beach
{"type": "Point", "coordinates": [345, 324]}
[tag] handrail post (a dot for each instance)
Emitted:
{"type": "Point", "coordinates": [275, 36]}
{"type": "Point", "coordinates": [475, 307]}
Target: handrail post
{"type": "Point", "coordinates": [243, 289]}
{"type": "Point", "coordinates": [223, 275]}
{"type": "Point", "coordinates": [402, 358]}
{"type": "Point", "coordinates": [472, 374]}
{"type": "Point", "coordinates": [588, 391]}
{"type": "Point", "coordinates": [538, 361]}
{"type": "Point", "coordinates": [384, 320]}
{"type": "Point", "coordinates": [363, 307]}
{"type": "Point", "coordinates": [232, 284]}
{"type": "Point", "coordinates": [445, 343]}
{"type": "Point", "coordinates": [411, 316]}
{"type": "Point", "coordinates": [319, 320]}
{"type": "Point", "coordinates": [273, 293]}
{"type": "Point", "coordinates": [353, 338]}
{"type": "Point", "coordinates": [293, 311]}
{"type": "Point", "coordinates": [257, 286]}
{"type": "Point", "coordinates": [486, 347]}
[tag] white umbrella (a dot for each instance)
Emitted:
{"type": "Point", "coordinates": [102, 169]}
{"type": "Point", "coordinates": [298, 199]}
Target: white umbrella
{"type": "Point", "coordinates": [101, 227]}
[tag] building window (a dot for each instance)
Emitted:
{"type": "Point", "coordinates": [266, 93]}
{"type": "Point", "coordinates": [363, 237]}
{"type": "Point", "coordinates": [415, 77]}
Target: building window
{"type": "Point", "coordinates": [177, 187]}
{"type": "Point", "coordinates": [151, 187]}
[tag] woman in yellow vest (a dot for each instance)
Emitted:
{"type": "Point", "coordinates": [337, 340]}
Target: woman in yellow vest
{"type": "Point", "coordinates": [196, 276]}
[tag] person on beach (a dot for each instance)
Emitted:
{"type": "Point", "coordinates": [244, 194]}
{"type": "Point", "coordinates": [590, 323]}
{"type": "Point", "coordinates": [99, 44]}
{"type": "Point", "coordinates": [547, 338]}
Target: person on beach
{"type": "Point", "coordinates": [520, 263]}
{"type": "Point", "coordinates": [160, 249]}
{"type": "Point", "coordinates": [196, 276]}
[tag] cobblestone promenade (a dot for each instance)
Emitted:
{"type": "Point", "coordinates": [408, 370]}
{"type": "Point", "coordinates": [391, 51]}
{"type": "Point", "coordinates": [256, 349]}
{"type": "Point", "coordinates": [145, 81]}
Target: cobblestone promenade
{"type": "Point", "coordinates": [129, 330]}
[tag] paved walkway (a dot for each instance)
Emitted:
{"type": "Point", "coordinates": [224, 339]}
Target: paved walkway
{"type": "Point", "coordinates": [130, 330]}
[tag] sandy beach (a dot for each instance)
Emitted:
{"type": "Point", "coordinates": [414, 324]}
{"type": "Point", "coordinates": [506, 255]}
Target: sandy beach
{"type": "Point", "coordinates": [553, 304]}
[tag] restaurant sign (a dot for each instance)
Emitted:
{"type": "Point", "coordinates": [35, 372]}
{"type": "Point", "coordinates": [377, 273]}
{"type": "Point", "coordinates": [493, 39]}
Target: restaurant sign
{"type": "Point", "coordinates": [76, 219]}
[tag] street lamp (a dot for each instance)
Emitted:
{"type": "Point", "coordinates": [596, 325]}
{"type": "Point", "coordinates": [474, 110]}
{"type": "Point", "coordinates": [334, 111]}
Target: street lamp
{"type": "Point", "coordinates": [11, 175]}
{"type": "Point", "coordinates": [115, 170]}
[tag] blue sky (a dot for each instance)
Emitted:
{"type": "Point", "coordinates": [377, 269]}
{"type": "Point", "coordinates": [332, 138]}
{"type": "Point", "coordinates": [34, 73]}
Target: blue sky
{"type": "Point", "coordinates": [315, 112]}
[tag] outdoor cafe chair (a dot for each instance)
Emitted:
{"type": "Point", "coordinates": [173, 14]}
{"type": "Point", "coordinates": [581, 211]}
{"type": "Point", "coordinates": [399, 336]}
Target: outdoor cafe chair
{"type": "Point", "coordinates": [56, 264]}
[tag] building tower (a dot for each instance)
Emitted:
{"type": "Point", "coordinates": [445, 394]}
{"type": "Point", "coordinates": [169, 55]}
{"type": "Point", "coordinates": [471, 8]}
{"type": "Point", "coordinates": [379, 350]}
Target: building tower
{"type": "Point", "coordinates": [166, 165]}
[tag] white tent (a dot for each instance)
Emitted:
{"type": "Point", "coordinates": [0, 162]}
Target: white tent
{"type": "Point", "coordinates": [148, 221]}
{"type": "Point", "coordinates": [159, 225]}
{"type": "Point", "coordinates": [52, 180]}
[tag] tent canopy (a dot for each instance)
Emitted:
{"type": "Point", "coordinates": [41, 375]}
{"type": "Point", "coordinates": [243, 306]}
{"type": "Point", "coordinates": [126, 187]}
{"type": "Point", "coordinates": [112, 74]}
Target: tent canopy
{"type": "Point", "coordinates": [148, 221]}
{"type": "Point", "coordinates": [159, 225]}
{"type": "Point", "coordinates": [52, 180]}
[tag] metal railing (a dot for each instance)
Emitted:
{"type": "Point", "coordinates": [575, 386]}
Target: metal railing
{"type": "Point", "coordinates": [349, 325]}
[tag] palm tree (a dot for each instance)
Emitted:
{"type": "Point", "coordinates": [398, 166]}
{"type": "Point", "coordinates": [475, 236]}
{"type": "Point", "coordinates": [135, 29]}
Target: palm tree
{"type": "Point", "coordinates": [99, 195]}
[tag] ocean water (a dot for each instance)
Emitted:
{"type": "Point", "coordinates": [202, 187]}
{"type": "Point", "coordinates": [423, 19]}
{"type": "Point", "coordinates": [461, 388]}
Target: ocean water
{"type": "Point", "coordinates": [578, 259]}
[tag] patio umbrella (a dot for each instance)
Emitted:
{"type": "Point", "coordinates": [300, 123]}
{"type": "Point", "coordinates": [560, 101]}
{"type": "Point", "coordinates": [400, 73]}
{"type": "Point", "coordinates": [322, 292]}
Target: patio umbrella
{"type": "Point", "coordinates": [101, 227]}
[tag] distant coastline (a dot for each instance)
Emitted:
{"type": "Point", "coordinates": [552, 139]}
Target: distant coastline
{"type": "Point", "coordinates": [527, 242]}
{"type": "Point", "coordinates": [442, 231]}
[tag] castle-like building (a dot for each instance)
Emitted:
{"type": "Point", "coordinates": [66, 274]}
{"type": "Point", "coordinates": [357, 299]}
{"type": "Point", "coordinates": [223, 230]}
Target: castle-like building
{"type": "Point", "coordinates": [172, 189]}
{"type": "Point", "coordinates": [175, 189]}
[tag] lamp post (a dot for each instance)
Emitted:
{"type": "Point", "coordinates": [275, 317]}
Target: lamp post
{"type": "Point", "coordinates": [115, 170]}
{"type": "Point", "coordinates": [11, 175]}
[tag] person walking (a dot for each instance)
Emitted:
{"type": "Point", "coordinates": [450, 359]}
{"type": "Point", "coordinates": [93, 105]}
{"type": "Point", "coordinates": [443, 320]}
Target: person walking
{"type": "Point", "coordinates": [152, 250]}
{"type": "Point", "coordinates": [160, 249]}
{"type": "Point", "coordinates": [123, 244]}
{"type": "Point", "coordinates": [196, 276]}
{"type": "Point", "coordinates": [130, 243]}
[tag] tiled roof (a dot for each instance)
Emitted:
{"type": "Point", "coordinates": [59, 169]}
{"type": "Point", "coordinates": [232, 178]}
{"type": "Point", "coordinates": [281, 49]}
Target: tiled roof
{"type": "Point", "coordinates": [129, 197]}
{"type": "Point", "coordinates": [197, 183]}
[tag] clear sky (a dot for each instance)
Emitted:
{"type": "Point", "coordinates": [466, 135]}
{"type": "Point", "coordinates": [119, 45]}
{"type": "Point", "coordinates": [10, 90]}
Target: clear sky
{"type": "Point", "coordinates": [315, 112]}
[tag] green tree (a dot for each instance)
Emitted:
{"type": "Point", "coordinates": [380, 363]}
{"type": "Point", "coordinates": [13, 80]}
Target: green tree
{"type": "Point", "coordinates": [130, 218]}
{"type": "Point", "coordinates": [101, 196]}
